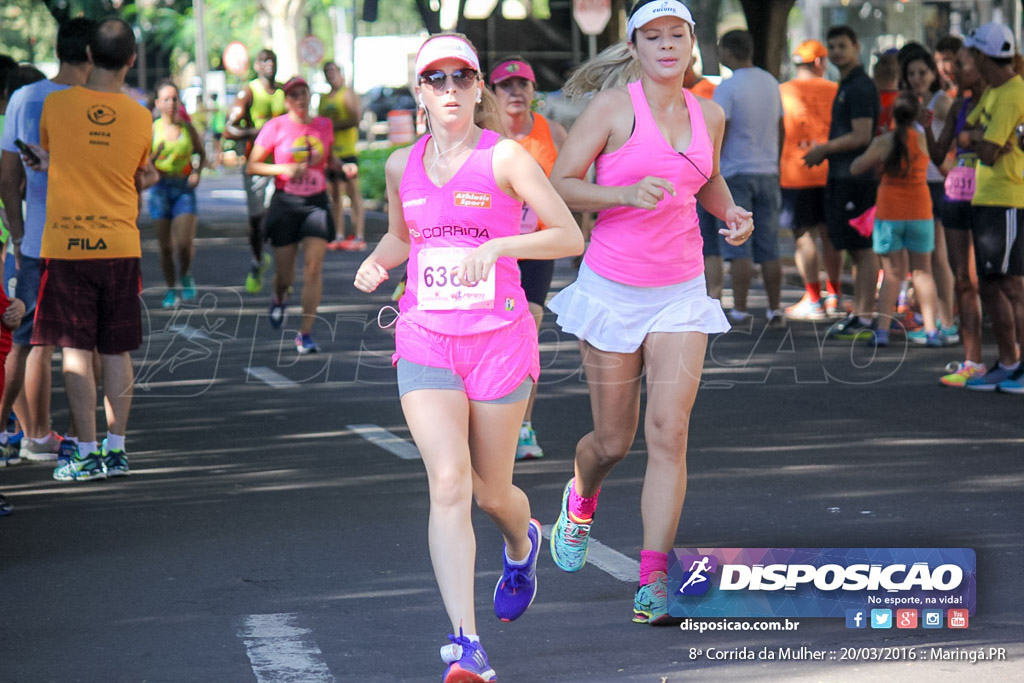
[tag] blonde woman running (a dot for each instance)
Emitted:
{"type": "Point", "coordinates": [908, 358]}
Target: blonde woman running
{"type": "Point", "coordinates": [466, 344]}
{"type": "Point", "coordinates": [640, 303]}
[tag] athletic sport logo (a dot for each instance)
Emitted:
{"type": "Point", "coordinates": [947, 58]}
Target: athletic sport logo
{"type": "Point", "coordinates": [695, 577]}
{"type": "Point", "coordinates": [476, 200]}
{"type": "Point", "coordinates": [101, 115]}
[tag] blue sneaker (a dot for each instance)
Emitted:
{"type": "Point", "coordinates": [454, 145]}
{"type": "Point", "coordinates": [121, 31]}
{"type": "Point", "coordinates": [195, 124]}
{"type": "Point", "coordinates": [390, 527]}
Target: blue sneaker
{"type": "Point", "coordinates": [188, 287]}
{"type": "Point", "coordinates": [517, 586]}
{"type": "Point", "coordinates": [1014, 384]}
{"type": "Point", "coordinates": [879, 338]}
{"type": "Point", "coordinates": [569, 537]}
{"type": "Point", "coordinates": [67, 451]}
{"type": "Point", "coordinates": [304, 344]}
{"type": "Point", "coordinates": [171, 299]}
{"type": "Point", "coordinates": [5, 507]}
{"type": "Point", "coordinates": [82, 469]}
{"type": "Point", "coordinates": [466, 660]}
{"type": "Point", "coordinates": [991, 379]}
{"type": "Point", "coordinates": [115, 463]}
{"type": "Point", "coordinates": [276, 312]}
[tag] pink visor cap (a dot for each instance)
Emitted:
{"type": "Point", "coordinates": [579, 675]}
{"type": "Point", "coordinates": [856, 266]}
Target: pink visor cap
{"type": "Point", "coordinates": [445, 47]}
{"type": "Point", "coordinates": [512, 69]}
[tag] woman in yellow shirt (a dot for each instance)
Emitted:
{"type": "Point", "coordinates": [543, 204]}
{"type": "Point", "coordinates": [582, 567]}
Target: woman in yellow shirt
{"type": "Point", "coordinates": [172, 201]}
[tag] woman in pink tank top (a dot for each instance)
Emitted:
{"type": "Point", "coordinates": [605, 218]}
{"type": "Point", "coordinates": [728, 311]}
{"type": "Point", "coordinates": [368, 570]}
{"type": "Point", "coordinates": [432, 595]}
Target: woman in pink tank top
{"type": "Point", "coordinates": [640, 302]}
{"type": "Point", "coordinates": [466, 345]}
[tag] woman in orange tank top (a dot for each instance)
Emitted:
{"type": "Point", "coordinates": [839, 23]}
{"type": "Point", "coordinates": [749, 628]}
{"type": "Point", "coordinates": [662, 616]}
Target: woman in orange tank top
{"type": "Point", "coordinates": [515, 86]}
{"type": "Point", "coordinates": [904, 229]}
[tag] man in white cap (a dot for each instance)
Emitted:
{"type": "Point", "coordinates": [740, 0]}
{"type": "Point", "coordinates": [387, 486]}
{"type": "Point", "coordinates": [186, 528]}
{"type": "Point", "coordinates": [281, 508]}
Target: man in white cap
{"type": "Point", "coordinates": [998, 203]}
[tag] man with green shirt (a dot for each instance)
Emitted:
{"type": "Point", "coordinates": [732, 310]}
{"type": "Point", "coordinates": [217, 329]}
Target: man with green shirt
{"type": "Point", "coordinates": [259, 101]}
{"type": "Point", "coordinates": [998, 203]}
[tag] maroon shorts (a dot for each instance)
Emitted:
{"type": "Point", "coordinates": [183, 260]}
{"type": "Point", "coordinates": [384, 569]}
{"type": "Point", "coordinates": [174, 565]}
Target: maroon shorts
{"type": "Point", "coordinates": [90, 304]}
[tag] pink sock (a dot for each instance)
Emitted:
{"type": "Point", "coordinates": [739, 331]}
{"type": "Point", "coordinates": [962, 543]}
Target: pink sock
{"type": "Point", "coordinates": [652, 561]}
{"type": "Point", "coordinates": [582, 508]}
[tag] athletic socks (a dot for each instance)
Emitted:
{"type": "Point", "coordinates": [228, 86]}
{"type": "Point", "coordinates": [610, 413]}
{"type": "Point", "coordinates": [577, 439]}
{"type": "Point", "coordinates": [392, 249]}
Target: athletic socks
{"type": "Point", "coordinates": [115, 442]}
{"type": "Point", "coordinates": [582, 508]}
{"type": "Point", "coordinates": [814, 290]}
{"type": "Point", "coordinates": [652, 561]}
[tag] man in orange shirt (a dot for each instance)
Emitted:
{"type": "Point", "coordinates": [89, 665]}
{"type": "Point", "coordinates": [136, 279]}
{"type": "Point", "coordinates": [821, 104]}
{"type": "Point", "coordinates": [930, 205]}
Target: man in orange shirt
{"type": "Point", "coordinates": [95, 142]}
{"type": "Point", "coordinates": [807, 113]}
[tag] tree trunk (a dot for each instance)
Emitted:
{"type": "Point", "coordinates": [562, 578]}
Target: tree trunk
{"type": "Point", "coordinates": [767, 21]}
{"type": "Point", "coordinates": [705, 15]}
{"type": "Point", "coordinates": [285, 31]}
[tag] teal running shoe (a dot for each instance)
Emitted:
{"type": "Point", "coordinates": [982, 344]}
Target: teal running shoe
{"type": "Point", "coordinates": [569, 537]}
{"type": "Point", "coordinates": [82, 469]}
{"type": "Point", "coordinates": [115, 463]}
{"type": "Point", "coordinates": [528, 448]}
{"type": "Point", "coordinates": [188, 287]}
{"type": "Point", "coordinates": [466, 660]}
{"type": "Point", "coordinates": [650, 606]}
{"type": "Point", "coordinates": [171, 299]}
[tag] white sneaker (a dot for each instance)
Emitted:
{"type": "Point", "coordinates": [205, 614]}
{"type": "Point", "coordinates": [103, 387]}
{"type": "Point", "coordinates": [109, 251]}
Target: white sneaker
{"type": "Point", "coordinates": [41, 452]}
{"type": "Point", "coordinates": [739, 316]}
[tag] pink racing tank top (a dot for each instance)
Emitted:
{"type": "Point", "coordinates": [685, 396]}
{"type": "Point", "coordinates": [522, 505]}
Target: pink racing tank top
{"type": "Point", "coordinates": [444, 224]}
{"type": "Point", "coordinates": [662, 246]}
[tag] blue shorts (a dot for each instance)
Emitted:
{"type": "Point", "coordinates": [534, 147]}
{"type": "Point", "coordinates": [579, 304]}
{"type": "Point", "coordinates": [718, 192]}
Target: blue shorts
{"type": "Point", "coordinates": [170, 198]}
{"type": "Point", "coordinates": [759, 194]}
{"type": "Point", "coordinates": [708, 231]}
{"type": "Point", "coordinates": [27, 290]}
{"type": "Point", "coordinates": [915, 236]}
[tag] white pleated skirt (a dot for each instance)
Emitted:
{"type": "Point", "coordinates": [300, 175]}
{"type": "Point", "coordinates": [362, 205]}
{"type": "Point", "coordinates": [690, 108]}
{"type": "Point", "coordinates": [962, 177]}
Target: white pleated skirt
{"type": "Point", "coordinates": [615, 317]}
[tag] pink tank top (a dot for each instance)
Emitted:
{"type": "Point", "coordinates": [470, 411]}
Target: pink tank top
{"type": "Point", "coordinates": [444, 224]}
{"type": "Point", "coordinates": [291, 141]}
{"type": "Point", "coordinates": [660, 247]}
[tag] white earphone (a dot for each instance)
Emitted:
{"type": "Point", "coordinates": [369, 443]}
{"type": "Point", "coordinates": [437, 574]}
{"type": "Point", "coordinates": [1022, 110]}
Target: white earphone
{"type": "Point", "coordinates": [422, 106]}
{"type": "Point", "coordinates": [479, 96]}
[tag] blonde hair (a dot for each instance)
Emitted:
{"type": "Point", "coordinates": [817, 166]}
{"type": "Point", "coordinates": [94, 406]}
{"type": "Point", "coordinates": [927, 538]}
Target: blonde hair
{"type": "Point", "coordinates": [613, 67]}
{"type": "Point", "coordinates": [487, 113]}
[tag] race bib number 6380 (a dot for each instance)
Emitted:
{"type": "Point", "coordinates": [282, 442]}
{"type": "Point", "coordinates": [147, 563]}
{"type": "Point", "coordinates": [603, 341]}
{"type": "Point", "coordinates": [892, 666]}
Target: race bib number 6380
{"type": "Point", "coordinates": [439, 287]}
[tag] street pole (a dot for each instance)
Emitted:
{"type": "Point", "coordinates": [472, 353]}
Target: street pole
{"type": "Point", "coordinates": [202, 66]}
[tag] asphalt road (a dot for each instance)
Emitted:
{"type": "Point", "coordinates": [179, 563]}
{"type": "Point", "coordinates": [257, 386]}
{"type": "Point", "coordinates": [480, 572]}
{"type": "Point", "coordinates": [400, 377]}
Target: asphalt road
{"type": "Point", "coordinates": [268, 533]}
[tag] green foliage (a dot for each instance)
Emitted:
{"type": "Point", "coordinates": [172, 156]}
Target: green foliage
{"type": "Point", "coordinates": [28, 32]}
{"type": "Point", "coordinates": [372, 184]}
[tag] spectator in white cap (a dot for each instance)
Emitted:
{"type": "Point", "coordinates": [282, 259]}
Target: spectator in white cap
{"type": "Point", "coordinates": [998, 203]}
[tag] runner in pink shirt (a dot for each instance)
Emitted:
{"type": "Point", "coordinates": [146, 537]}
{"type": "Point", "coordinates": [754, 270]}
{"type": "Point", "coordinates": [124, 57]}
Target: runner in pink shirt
{"type": "Point", "coordinates": [640, 302]}
{"type": "Point", "coordinates": [299, 212]}
{"type": "Point", "coordinates": [466, 344]}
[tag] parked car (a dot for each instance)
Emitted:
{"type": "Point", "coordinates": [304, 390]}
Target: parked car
{"type": "Point", "coordinates": [381, 99]}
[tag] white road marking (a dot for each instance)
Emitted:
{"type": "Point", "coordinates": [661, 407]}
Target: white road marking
{"type": "Point", "coordinates": [274, 379]}
{"type": "Point", "coordinates": [189, 332]}
{"type": "Point", "coordinates": [392, 443]}
{"type": "Point", "coordinates": [281, 652]}
{"type": "Point", "coordinates": [608, 560]}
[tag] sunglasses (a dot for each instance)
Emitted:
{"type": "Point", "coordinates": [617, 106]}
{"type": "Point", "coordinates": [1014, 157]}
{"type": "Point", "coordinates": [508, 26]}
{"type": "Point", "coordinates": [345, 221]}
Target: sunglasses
{"type": "Point", "coordinates": [437, 79]}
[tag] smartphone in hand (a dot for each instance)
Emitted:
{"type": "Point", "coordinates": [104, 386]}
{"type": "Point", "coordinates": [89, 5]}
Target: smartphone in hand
{"type": "Point", "coordinates": [27, 151]}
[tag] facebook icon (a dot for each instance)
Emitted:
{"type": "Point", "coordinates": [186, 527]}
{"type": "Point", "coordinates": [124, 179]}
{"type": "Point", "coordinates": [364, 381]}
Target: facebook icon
{"type": "Point", "coordinates": [856, 618]}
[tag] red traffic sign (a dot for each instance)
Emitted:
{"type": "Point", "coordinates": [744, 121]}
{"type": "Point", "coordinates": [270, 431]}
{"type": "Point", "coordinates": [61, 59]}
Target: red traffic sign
{"type": "Point", "coordinates": [311, 50]}
{"type": "Point", "coordinates": [592, 15]}
{"type": "Point", "coordinates": [236, 58]}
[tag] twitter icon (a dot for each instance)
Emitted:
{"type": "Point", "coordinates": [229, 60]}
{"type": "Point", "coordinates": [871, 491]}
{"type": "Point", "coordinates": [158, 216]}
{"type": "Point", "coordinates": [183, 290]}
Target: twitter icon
{"type": "Point", "coordinates": [881, 618]}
